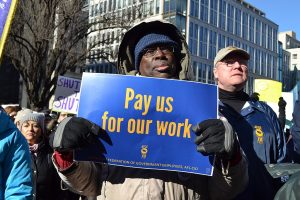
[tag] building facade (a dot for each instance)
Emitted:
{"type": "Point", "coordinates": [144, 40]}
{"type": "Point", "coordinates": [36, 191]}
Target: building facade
{"type": "Point", "coordinates": [208, 26]}
{"type": "Point", "coordinates": [291, 51]}
{"type": "Point", "coordinates": [289, 40]}
{"type": "Point", "coordinates": [214, 24]}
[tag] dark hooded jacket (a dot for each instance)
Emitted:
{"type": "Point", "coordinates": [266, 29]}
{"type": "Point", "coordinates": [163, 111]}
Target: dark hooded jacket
{"type": "Point", "coordinates": [126, 50]}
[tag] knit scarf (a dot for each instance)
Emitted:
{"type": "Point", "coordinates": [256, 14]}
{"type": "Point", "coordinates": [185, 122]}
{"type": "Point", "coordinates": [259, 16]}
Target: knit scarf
{"type": "Point", "coordinates": [33, 148]}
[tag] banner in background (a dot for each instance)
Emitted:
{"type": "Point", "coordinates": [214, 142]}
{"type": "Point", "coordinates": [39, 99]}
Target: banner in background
{"type": "Point", "coordinates": [269, 90]}
{"type": "Point", "coordinates": [7, 9]}
{"type": "Point", "coordinates": [148, 121]}
{"type": "Point", "coordinates": [296, 92]}
{"type": "Point", "coordinates": [66, 95]}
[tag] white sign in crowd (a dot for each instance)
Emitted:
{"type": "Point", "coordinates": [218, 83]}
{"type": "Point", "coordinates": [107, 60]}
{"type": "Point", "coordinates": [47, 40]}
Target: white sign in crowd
{"type": "Point", "coordinates": [67, 95]}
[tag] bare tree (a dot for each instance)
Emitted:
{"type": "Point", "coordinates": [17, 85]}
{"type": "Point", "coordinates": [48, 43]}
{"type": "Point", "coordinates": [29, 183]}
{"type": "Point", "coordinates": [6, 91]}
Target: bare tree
{"type": "Point", "coordinates": [48, 38]}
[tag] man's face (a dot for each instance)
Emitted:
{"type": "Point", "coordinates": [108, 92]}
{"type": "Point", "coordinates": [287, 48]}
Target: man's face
{"type": "Point", "coordinates": [159, 61]}
{"type": "Point", "coordinates": [231, 73]}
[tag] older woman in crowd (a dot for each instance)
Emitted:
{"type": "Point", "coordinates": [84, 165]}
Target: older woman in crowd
{"type": "Point", "coordinates": [45, 179]}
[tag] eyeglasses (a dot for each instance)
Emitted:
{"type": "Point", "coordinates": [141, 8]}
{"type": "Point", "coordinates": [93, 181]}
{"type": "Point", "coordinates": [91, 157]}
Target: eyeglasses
{"type": "Point", "coordinates": [231, 62]}
{"type": "Point", "coordinates": [151, 51]}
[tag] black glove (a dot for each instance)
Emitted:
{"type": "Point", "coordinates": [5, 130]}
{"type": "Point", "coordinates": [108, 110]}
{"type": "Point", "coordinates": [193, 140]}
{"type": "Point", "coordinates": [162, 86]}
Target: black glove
{"type": "Point", "coordinates": [215, 136]}
{"type": "Point", "coordinates": [75, 133]}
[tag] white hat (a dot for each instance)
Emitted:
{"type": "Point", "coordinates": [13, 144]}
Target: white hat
{"type": "Point", "coordinates": [227, 50]}
{"type": "Point", "coordinates": [29, 115]}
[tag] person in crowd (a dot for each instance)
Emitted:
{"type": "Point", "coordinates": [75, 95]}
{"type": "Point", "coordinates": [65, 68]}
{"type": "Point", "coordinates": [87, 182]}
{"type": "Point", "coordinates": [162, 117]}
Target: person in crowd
{"type": "Point", "coordinates": [152, 49]}
{"type": "Point", "coordinates": [46, 182]}
{"type": "Point", "coordinates": [63, 115]}
{"type": "Point", "coordinates": [12, 111]}
{"type": "Point", "coordinates": [257, 126]}
{"type": "Point", "coordinates": [255, 96]}
{"type": "Point", "coordinates": [290, 190]}
{"type": "Point", "coordinates": [56, 121]}
{"type": "Point", "coordinates": [50, 121]}
{"type": "Point", "coordinates": [15, 162]}
{"type": "Point", "coordinates": [281, 115]}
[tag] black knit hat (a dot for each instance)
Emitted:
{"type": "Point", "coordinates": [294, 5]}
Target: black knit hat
{"type": "Point", "coordinates": [149, 40]}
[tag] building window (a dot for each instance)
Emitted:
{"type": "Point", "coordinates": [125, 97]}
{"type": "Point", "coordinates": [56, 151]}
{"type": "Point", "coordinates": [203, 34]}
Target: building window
{"type": "Point", "coordinates": [269, 65]}
{"type": "Point", "coordinates": [275, 40]}
{"type": "Point", "coordinates": [191, 36]}
{"type": "Point", "coordinates": [195, 69]}
{"type": "Point", "coordinates": [104, 6]}
{"type": "Point", "coordinates": [257, 32]}
{"type": "Point", "coordinates": [237, 43]}
{"type": "Point", "coordinates": [196, 33]}
{"type": "Point", "coordinates": [204, 10]}
{"type": "Point", "coordinates": [213, 12]}
{"type": "Point", "coordinates": [294, 56]}
{"type": "Point", "coordinates": [251, 28]}
{"type": "Point", "coordinates": [202, 72]}
{"type": "Point", "coordinates": [257, 62]}
{"type": "Point", "coordinates": [222, 15]}
{"type": "Point", "coordinates": [157, 7]}
{"type": "Point", "coordinates": [230, 15]}
{"type": "Point", "coordinates": [169, 6]}
{"type": "Point", "coordinates": [151, 5]}
{"type": "Point", "coordinates": [109, 5]}
{"type": "Point", "coordinates": [181, 7]}
{"type": "Point", "coordinates": [250, 62]}
{"type": "Point", "coordinates": [263, 64]}
{"type": "Point", "coordinates": [263, 35]}
{"type": "Point", "coordinates": [195, 8]}
{"type": "Point", "coordinates": [210, 74]}
{"type": "Point", "coordinates": [101, 8]}
{"type": "Point", "coordinates": [270, 34]}
{"type": "Point", "coordinates": [221, 41]}
{"type": "Point", "coordinates": [92, 11]}
{"type": "Point", "coordinates": [203, 42]}
{"type": "Point", "coordinates": [245, 26]}
{"type": "Point", "coordinates": [229, 42]}
{"type": "Point", "coordinates": [238, 22]}
{"type": "Point", "coordinates": [212, 44]}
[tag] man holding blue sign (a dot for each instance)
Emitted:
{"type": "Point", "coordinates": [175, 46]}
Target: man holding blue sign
{"type": "Point", "coordinates": [152, 49]}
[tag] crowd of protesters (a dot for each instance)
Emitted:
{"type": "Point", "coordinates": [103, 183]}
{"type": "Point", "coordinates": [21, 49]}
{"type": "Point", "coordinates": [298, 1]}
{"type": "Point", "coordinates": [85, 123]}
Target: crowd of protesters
{"type": "Point", "coordinates": [246, 137]}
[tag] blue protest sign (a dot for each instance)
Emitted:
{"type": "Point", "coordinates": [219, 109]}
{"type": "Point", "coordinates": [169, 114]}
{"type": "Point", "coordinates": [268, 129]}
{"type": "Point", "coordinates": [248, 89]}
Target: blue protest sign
{"type": "Point", "coordinates": [4, 7]}
{"type": "Point", "coordinates": [7, 8]}
{"type": "Point", "coordinates": [148, 121]}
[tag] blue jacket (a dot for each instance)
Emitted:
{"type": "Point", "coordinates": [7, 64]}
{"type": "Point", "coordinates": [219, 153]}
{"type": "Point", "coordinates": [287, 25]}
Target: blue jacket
{"type": "Point", "coordinates": [15, 162]}
{"type": "Point", "coordinates": [262, 140]}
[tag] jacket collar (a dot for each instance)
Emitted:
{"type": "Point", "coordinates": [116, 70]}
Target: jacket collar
{"type": "Point", "coordinates": [249, 107]}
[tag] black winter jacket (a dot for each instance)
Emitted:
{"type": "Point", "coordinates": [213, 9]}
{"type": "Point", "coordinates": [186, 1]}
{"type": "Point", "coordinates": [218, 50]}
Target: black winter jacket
{"type": "Point", "coordinates": [46, 182]}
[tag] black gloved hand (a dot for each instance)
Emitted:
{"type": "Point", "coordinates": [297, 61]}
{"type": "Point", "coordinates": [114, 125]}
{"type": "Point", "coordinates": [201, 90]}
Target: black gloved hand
{"type": "Point", "coordinates": [215, 136]}
{"type": "Point", "coordinates": [75, 133]}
